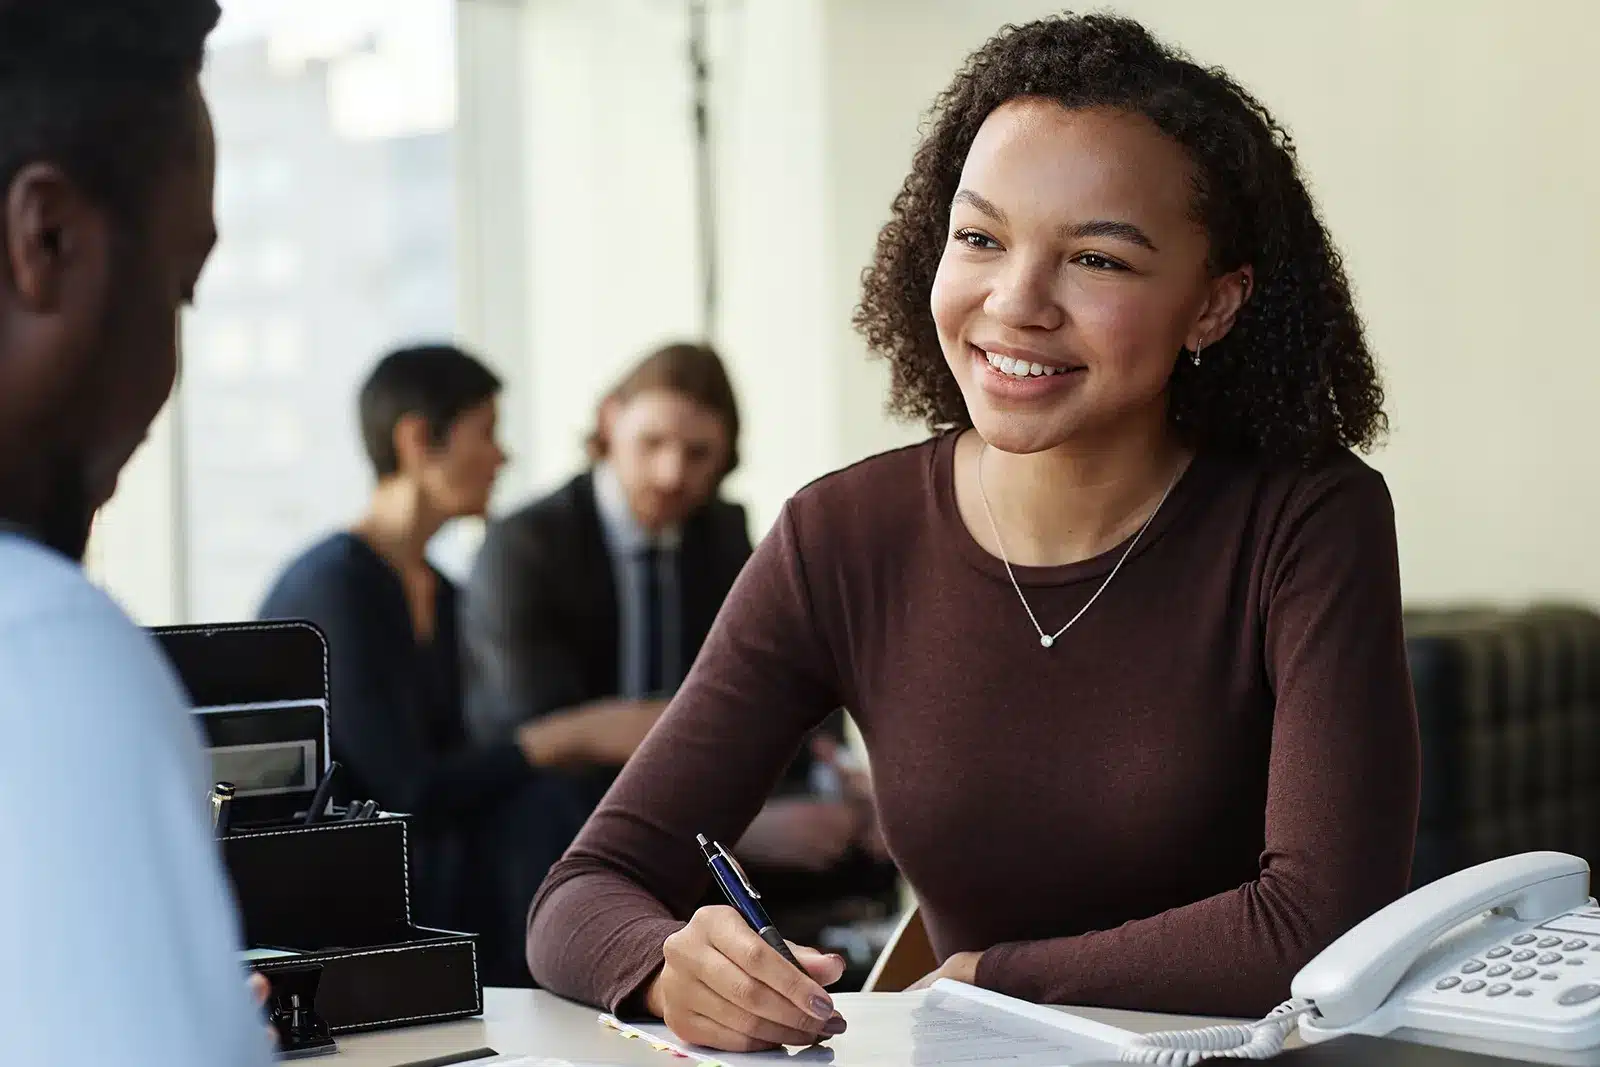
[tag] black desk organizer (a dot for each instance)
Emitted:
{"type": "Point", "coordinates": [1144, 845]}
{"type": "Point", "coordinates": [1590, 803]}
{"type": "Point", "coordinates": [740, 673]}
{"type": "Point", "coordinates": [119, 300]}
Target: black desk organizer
{"type": "Point", "coordinates": [337, 893]}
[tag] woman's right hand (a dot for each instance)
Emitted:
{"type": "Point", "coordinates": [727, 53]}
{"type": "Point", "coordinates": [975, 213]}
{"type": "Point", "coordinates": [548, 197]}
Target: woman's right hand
{"type": "Point", "coordinates": [724, 988]}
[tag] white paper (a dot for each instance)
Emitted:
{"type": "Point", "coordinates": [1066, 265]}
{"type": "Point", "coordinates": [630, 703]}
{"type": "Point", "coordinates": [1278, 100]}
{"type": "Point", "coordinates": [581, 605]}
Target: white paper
{"type": "Point", "coordinates": [933, 1028]}
{"type": "Point", "coordinates": [251, 955]}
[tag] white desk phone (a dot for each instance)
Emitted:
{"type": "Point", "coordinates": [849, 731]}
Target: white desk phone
{"type": "Point", "coordinates": [1502, 958]}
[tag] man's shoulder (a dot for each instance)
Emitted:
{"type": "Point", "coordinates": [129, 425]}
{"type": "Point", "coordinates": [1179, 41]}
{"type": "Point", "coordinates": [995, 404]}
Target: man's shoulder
{"type": "Point", "coordinates": [546, 525]}
{"type": "Point", "coordinates": [557, 510]}
{"type": "Point", "coordinates": [725, 521]}
{"type": "Point", "coordinates": [37, 583]}
{"type": "Point", "coordinates": [724, 511]}
{"type": "Point", "coordinates": [89, 703]}
{"type": "Point", "coordinates": [64, 640]}
{"type": "Point", "coordinates": [541, 538]}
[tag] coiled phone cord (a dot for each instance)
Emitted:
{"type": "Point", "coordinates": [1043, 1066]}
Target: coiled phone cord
{"type": "Point", "coordinates": [1260, 1040]}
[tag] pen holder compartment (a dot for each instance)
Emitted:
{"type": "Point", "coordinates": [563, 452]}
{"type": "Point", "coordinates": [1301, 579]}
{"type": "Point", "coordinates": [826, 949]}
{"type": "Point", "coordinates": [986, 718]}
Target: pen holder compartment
{"type": "Point", "coordinates": [259, 691]}
{"type": "Point", "coordinates": [337, 895]}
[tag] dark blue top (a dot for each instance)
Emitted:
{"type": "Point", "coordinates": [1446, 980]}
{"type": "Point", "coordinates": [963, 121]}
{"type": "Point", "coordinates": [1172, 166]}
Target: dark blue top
{"type": "Point", "coordinates": [396, 703]}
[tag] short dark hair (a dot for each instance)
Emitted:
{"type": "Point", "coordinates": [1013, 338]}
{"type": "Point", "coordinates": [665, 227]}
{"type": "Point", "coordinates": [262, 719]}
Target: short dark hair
{"type": "Point", "coordinates": [436, 381]}
{"type": "Point", "coordinates": [1292, 380]}
{"type": "Point", "coordinates": [100, 88]}
{"type": "Point", "coordinates": [691, 370]}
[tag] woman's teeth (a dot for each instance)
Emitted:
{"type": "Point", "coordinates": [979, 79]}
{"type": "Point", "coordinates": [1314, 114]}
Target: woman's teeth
{"type": "Point", "coordinates": [1020, 368]}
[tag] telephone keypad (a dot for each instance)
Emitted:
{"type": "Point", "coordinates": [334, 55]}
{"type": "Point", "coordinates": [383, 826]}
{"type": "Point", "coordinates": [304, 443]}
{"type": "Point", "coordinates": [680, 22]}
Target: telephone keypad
{"type": "Point", "coordinates": [1532, 966]}
{"type": "Point", "coordinates": [1579, 994]}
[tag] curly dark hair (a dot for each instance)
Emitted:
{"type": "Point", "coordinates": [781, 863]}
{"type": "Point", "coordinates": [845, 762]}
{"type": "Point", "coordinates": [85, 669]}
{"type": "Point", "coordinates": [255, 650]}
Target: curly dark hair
{"type": "Point", "coordinates": [1291, 381]}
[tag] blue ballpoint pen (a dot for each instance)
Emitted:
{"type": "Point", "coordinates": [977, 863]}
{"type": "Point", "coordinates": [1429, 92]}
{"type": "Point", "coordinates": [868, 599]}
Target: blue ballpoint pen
{"type": "Point", "coordinates": [742, 895]}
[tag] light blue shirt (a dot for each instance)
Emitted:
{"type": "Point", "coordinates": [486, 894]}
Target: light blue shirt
{"type": "Point", "coordinates": [626, 542]}
{"type": "Point", "coordinates": [119, 938]}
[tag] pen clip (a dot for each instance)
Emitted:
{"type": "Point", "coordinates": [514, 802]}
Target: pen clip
{"type": "Point", "coordinates": [737, 870]}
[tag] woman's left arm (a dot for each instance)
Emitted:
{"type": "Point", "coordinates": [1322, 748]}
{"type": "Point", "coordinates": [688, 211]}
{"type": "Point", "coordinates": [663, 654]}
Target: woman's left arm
{"type": "Point", "coordinates": [1342, 790]}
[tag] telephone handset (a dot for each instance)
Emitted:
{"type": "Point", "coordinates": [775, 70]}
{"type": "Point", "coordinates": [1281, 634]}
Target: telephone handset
{"type": "Point", "coordinates": [1502, 958]}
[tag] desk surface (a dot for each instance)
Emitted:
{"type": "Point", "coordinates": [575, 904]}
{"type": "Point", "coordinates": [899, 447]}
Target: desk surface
{"type": "Point", "coordinates": [538, 1023]}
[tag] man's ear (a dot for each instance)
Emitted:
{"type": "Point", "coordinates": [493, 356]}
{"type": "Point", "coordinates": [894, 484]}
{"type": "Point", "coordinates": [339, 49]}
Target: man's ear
{"type": "Point", "coordinates": [50, 228]}
{"type": "Point", "coordinates": [411, 442]}
{"type": "Point", "coordinates": [1228, 294]}
{"type": "Point", "coordinates": [610, 408]}
{"type": "Point", "coordinates": [605, 422]}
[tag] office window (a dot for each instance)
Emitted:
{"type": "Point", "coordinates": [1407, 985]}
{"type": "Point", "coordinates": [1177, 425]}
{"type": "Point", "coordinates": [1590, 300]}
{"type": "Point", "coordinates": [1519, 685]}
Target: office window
{"type": "Point", "coordinates": [335, 203]}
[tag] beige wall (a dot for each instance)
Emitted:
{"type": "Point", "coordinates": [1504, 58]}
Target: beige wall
{"type": "Point", "coordinates": [135, 548]}
{"type": "Point", "coordinates": [1449, 145]}
{"type": "Point", "coordinates": [610, 224]}
{"type": "Point", "coordinates": [1453, 147]}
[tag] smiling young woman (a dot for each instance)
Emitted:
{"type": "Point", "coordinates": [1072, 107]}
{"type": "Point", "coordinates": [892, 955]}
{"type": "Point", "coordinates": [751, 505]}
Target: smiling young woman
{"type": "Point", "coordinates": [1124, 638]}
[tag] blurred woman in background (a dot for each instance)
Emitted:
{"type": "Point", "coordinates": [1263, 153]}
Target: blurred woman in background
{"type": "Point", "coordinates": [489, 819]}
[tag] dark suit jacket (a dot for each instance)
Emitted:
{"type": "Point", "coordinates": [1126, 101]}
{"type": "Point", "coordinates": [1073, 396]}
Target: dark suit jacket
{"type": "Point", "coordinates": [540, 624]}
{"type": "Point", "coordinates": [541, 632]}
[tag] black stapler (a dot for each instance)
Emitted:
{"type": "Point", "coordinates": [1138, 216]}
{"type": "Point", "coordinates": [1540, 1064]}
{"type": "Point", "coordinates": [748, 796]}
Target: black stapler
{"type": "Point", "coordinates": [292, 1011]}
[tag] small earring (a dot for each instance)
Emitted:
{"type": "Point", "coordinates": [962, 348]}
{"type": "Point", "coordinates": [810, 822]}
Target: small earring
{"type": "Point", "coordinates": [1195, 359]}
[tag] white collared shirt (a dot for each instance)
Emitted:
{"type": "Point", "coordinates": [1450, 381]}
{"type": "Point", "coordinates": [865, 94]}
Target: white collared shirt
{"type": "Point", "coordinates": [626, 541]}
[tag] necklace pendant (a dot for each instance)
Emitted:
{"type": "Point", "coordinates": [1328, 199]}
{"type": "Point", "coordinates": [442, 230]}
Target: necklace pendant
{"type": "Point", "coordinates": [1046, 640]}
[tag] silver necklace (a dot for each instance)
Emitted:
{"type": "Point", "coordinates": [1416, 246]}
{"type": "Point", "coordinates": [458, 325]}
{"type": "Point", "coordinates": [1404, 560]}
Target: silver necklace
{"type": "Point", "coordinates": [1049, 639]}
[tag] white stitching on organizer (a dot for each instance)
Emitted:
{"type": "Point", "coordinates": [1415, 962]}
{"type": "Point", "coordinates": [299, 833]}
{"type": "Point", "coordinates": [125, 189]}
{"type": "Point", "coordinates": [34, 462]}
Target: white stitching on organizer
{"type": "Point", "coordinates": [405, 840]}
{"type": "Point", "coordinates": [398, 824]}
{"type": "Point", "coordinates": [477, 990]}
{"type": "Point", "coordinates": [405, 867]}
{"type": "Point", "coordinates": [327, 695]}
{"type": "Point", "coordinates": [323, 828]}
{"type": "Point", "coordinates": [327, 686]}
{"type": "Point", "coordinates": [327, 683]}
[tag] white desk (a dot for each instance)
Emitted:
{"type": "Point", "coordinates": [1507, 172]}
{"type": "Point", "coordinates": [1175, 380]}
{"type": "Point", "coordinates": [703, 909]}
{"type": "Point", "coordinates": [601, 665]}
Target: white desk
{"type": "Point", "coordinates": [538, 1023]}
